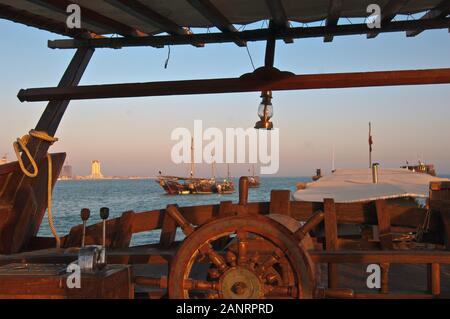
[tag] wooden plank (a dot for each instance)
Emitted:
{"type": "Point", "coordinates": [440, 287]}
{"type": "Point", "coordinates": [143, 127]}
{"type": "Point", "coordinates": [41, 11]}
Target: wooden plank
{"type": "Point", "coordinates": [334, 12]}
{"type": "Point", "coordinates": [124, 231]}
{"type": "Point", "coordinates": [439, 12]}
{"type": "Point", "coordinates": [249, 35]}
{"type": "Point", "coordinates": [384, 225]}
{"type": "Point", "coordinates": [279, 17]}
{"type": "Point", "coordinates": [215, 16]}
{"type": "Point", "coordinates": [147, 15]}
{"type": "Point", "coordinates": [445, 216]}
{"type": "Point", "coordinates": [40, 22]}
{"type": "Point", "coordinates": [22, 221]}
{"type": "Point", "coordinates": [280, 202]}
{"type": "Point", "coordinates": [378, 257]}
{"type": "Point", "coordinates": [331, 240]}
{"type": "Point", "coordinates": [255, 82]}
{"type": "Point", "coordinates": [9, 168]}
{"type": "Point", "coordinates": [91, 17]}
{"type": "Point", "coordinates": [226, 208]}
{"type": "Point", "coordinates": [168, 231]}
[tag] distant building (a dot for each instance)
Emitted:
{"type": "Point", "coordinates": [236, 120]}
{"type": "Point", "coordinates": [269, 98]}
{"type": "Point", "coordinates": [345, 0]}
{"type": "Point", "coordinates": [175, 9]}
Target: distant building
{"type": "Point", "coordinates": [4, 160]}
{"type": "Point", "coordinates": [66, 172]}
{"type": "Point", "coordinates": [96, 172]}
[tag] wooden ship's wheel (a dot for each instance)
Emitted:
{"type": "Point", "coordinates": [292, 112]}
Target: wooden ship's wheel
{"type": "Point", "coordinates": [240, 257]}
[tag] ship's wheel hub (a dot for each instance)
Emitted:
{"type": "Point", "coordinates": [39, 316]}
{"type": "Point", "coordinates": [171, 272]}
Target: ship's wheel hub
{"type": "Point", "coordinates": [240, 283]}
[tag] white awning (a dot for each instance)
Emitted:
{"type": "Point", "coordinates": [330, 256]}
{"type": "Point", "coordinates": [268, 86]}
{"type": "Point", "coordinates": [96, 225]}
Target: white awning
{"type": "Point", "coordinates": [182, 13]}
{"type": "Point", "coordinates": [355, 185]}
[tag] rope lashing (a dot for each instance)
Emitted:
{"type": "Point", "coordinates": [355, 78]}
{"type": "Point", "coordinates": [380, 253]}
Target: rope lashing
{"type": "Point", "coordinates": [20, 145]}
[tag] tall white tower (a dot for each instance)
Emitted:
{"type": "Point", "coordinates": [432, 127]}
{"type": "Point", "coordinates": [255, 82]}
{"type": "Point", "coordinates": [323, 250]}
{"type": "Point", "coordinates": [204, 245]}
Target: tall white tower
{"type": "Point", "coordinates": [96, 172]}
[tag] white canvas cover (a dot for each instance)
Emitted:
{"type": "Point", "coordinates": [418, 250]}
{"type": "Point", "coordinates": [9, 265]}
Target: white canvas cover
{"type": "Point", "coordinates": [239, 12]}
{"type": "Point", "coordinates": [356, 185]}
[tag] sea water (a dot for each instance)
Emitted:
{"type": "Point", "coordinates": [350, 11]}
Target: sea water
{"type": "Point", "coordinates": [70, 196]}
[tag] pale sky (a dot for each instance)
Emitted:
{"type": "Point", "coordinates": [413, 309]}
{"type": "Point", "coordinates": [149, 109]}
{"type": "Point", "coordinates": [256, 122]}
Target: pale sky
{"type": "Point", "coordinates": [132, 136]}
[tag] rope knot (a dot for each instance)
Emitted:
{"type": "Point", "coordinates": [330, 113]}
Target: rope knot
{"type": "Point", "coordinates": [20, 145]}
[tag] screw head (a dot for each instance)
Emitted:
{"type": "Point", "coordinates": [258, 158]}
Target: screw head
{"type": "Point", "coordinates": [104, 213]}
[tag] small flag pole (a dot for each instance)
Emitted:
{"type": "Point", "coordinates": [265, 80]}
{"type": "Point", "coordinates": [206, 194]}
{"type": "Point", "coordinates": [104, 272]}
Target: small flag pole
{"type": "Point", "coordinates": [370, 145]}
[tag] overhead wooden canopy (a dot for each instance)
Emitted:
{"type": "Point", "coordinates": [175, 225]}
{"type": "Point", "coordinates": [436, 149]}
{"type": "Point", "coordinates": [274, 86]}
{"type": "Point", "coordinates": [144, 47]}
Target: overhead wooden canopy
{"type": "Point", "coordinates": [133, 19]}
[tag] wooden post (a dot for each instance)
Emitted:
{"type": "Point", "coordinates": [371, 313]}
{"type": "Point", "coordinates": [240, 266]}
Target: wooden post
{"type": "Point", "coordinates": [384, 225]}
{"type": "Point", "coordinates": [123, 231]}
{"type": "Point", "coordinates": [384, 231]}
{"type": "Point", "coordinates": [280, 202]}
{"type": "Point", "coordinates": [243, 190]}
{"type": "Point", "coordinates": [331, 240]}
{"type": "Point", "coordinates": [168, 231]}
{"type": "Point", "coordinates": [440, 203]}
{"type": "Point", "coordinates": [434, 279]}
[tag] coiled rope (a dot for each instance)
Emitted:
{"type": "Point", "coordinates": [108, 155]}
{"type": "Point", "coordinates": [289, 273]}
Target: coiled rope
{"type": "Point", "coordinates": [20, 145]}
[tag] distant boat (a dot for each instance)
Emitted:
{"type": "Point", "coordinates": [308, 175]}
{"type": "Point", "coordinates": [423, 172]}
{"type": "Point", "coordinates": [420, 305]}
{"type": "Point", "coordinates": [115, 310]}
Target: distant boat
{"type": "Point", "coordinates": [421, 168]}
{"type": "Point", "coordinates": [176, 185]}
{"type": "Point", "coordinates": [253, 181]}
{"type": "Point", "coordinates": [227, 185]}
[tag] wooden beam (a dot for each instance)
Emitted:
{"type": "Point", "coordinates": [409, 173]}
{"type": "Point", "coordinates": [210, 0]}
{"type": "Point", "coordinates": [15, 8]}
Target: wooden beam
{"type": "Point", "coordinates": [168, 231]}
{"type": "Point", "coordinates": [378, 257]}
{"type": "Point", "coordinates": [434, 279]}
{"type": "Point", "coordinates": [279, 17]}
{"type": "Point", "coordinates": [331, 240]}
{"type": "Point", "coordinates": [261, 80]}
{"type": "Point", "coordinates": [269, 57]}
{"type": "Point", "coordinates": [388, 12]}
{"type": "Point", "coordinates": [250, 35]}
{"type": "Point", "coordinates": [334, 12]}
{"type": "Point", "coordinates": [384, 225]}
{"type": "Point", "coordinates": [91, 17]}
{"type": "Point", "coordinates": [37, 21]}
{"type": "Point", "coordinates": [147, 15]}
{"type": "Point", "coordinates": [216, 17]}
{"type": "Point", "coordinates": [439, 12]}
{"type": "Point", "coordinates": [16, 192]}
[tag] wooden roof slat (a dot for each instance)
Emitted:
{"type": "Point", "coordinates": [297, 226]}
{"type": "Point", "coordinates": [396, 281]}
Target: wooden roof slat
{"type": "Point", "coordinates": [279, 16]}
{"type": "Point", "coordinates": [37, 21]}
{"type": "Point", "coordinates": [150, 16]}
{"type": "Point", "coordinates": [250, 35]}
{"type": "Point", "coordinates": [388, 12]}
{"type": "Point", "coordinates": [215, 16]}
{"type": "Point", "coordinates": [91, 17]}
{"type": "Point", "coordinates": [439, 12]}
{"type": "Point", "coordinates": [334, 12]}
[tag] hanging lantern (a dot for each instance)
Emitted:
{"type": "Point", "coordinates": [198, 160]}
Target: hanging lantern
{"type": "Point", "coordinates": [265, 111]}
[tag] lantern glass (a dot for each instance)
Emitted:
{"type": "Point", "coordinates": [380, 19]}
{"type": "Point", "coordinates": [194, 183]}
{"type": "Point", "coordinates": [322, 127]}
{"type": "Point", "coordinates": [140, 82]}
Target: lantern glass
{"type": "Point", "coordinates": [265, 110]}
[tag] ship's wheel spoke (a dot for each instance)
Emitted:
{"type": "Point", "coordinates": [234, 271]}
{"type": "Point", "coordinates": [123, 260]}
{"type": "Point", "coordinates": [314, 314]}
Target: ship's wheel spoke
{"type": "Point", "coordinates": [231, 258]}
{"type": "Point", "coordinates": [269, 262]}
{"type": "Point", "coordinates": [194, 284]}
{"type": "Point", "coordinates": [214, 257]}
{"type": "Point", "coordinates": [272, 278]}
{"type": "Point", "coordinates": [280, 291]}
{"type": "Point", "coordinates": [242, 243]}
